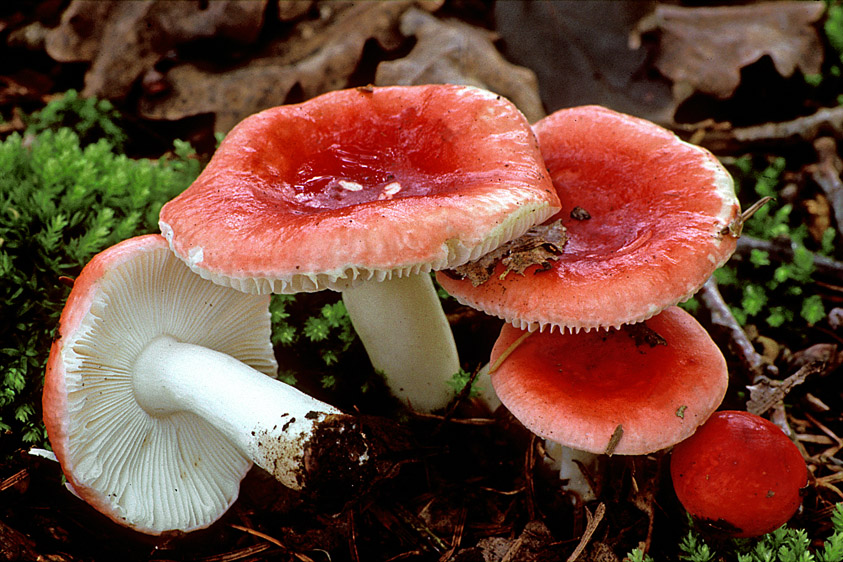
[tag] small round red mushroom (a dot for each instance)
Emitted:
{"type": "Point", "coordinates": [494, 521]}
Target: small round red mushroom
{"type": "Point", "coordinates": [366, 191]}
{"type": "Point", "coordinates": [740, 474]}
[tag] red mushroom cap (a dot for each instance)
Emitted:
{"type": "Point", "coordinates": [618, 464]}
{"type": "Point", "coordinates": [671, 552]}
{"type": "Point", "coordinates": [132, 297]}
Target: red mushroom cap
{"type": "Point", "coordinates": [740, 473]}
{"type": "Point", "coordinates": [361, 183]}
{"type": "Point", "coordinates": [576, 389]}
{"type": "Point", "coordinates": [659, 212]}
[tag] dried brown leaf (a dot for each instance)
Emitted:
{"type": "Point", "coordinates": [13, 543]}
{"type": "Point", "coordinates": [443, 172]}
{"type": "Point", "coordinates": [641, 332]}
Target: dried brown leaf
{"type": "Point", "coordinates": [317, 59]}
{"type": "Point", "coordinates": [704, 48]}
{"type": "Point", "coordinates": [122, 40]}
{"type": "Point", "coordinates": [540, 245]}
{"type": "Point", "coordinates": [452, 52]}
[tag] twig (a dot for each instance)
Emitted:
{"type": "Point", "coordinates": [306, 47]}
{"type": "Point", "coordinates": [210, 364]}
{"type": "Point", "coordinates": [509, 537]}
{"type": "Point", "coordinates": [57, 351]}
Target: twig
{"type": "Point", "coordinates": [782, 251]}
{"type": "Point", "coordinates": [508, 351]}
{"type": "Point", "coordinates": [240, 554]}
{"type": "Point", "coordinates": [739, 343]}
{"type": "Point", "coordinates": [529, 484]}
{"type": "Point", "coordinates": [14, 479]}
{"type": "Point", "coordinates": [590, 527]}
{"type": "Point", "coordinates": [805, 128]}
{"type": "Point", "coordinates": [765, 393]}
{"type": "Point", "coordinates": [273, 540]}
{"type": "Point", "coordinates": [457, 537]}
{"type": "Point", "coordinates": [352, 537]}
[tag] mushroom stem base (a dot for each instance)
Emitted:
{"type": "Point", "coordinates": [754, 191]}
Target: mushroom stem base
{"type": "Point", "coordinates": [570, 463]}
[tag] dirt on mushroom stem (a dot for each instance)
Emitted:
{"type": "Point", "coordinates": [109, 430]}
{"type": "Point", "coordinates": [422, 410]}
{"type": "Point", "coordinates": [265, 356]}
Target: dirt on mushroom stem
{"type": "Point", "coordinates": [346, 455]}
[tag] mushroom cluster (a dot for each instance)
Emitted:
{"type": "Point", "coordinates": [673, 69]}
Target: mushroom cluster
{"type": "Point", "coordinates": [581, 232]}
{"type": "Point", "coordinates": [594, 356]}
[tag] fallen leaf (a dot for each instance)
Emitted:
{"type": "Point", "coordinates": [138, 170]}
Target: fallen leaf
{"type": "Point", "coordinates": [289, 10]}
{"type": "Point", "coordinates": [122, 40]}
{"type": "Point", "coordinates": [704, 48]}
{"type": "Point", "coordinates": [452, 52]}
{"type": "Point", "coordinates": [320, 57]}
{"type": "Point", "coordinates": [580, 53]}
{"type": "Point", "coordinates": [538, 246]}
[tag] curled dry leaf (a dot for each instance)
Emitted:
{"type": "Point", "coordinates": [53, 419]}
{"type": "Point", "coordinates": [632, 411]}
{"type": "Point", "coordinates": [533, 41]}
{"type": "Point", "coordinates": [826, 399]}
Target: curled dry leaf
{"type": "Point", "coordinates": [705, 48]}
{"type": "Point", "coordinates": [766, 393]}
{"type": "Point", "coordinates": [320, 56]}
{"type": "Point", "coordinates": [538, 246]}
{"type": "Point", "coordinates": [452, 52]}
{"type": "Point", "coordinates": [122, 40]}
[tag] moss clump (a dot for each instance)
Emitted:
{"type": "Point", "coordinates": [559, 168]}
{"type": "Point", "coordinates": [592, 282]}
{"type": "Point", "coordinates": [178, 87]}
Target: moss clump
{"type": "Point", "coordinates": [61, 202]}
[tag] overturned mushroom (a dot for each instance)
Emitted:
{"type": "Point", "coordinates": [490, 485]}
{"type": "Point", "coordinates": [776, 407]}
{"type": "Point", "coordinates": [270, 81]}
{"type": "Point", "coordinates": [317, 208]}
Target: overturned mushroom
{"type": "Point", "coordinates": [159, 395]}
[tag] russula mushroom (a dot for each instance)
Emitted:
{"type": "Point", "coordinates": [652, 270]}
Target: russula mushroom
{"type": "Point", "coordinates": [159, 395]}
{"type": "Point", "coordinates": [739, 474]}
{"type": "Point", "coordinates": [628, 391]}
{"type": "Point", "coordinates": [366, 191]}
{"type": "Point", "coordinates": [647, 216]}
{"type": "Point", "coordinates": [577, 389]}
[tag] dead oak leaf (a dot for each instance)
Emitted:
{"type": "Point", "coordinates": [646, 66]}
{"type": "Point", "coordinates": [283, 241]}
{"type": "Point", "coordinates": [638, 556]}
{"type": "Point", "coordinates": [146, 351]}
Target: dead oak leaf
{"type": "Point", "coordinates": [122, 40]}
{"type": "Point", "coordinates": [704, 48]}
{"type": "Point", "coordinates": [452, 52]}
{"type": "Point", "coordinates": [538, 246]}
{"type": "Point", "coordinates": [319, 57]}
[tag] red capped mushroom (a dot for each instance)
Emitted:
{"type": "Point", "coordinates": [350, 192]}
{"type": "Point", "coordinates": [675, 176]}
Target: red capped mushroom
{"type": "Point", "coordinates": [159, 394]}
{"type": "Point", "coordinates": [739, 474]}
{"type": "Point", "coordinates": [611, 391]}
{"type": "Point", "coordinates": [647, 216]}
{"type": "Point", "coordinates": [366, 191]}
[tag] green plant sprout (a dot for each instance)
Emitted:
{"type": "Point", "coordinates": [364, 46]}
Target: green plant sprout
{"type": "Point", "coordinates": [782, 545]}
{"type": "Point", "coordinates": [459, 381]}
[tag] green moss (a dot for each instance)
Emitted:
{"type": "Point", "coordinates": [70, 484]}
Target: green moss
{"type": "Point", "coordinates": [61, 202]}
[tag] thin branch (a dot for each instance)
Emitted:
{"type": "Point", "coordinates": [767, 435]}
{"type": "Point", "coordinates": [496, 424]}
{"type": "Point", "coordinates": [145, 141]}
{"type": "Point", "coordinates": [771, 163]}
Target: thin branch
{"type": "Point", "coordinates": [739, 342]}
{"type": "Point", "coordinates": [723, 138]}
{"type": "Point", "coordinates": [782, 251]}
{"type": "Point", "coordinates": [591, 526]}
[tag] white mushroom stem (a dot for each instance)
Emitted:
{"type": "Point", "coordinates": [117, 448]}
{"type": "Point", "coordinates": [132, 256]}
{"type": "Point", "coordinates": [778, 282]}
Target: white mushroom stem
{"type": "Point", "coordinates": [271, 422]}
{"type": "Point", "coordinates": [407, 336]}
{"type": "Point", "coordinates": [565, 460]}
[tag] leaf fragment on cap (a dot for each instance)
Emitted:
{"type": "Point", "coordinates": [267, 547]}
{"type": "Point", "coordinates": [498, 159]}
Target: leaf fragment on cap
{"type": "Point", "coordinates": [538, 246]}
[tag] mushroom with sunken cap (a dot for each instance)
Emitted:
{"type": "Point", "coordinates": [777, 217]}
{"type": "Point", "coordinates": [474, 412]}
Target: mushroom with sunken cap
{"type": "Point", "coordinates": [159, 395]}
{"type": "Point", "coordinates": [628, 391]}
{"type": "Point", "coordinates": [647, 218]}
{"type": "Point", "coordinates": [366, 191]}
{"type": "Point", "coordinates": [739, 474]}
